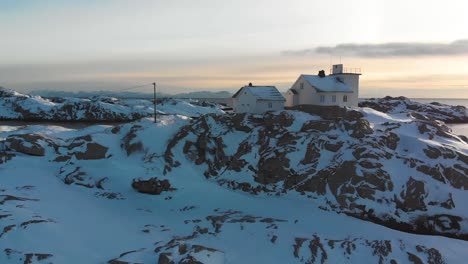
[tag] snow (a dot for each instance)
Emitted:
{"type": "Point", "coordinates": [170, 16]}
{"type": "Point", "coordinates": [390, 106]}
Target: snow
{"type": "Point", "coordinates": [327, 84]}
{"type": "Point", "coordinates": [268, 93]}
{"type": "Point", "coordinates": [84, 227]}
{"type": "Point", "coordinates": [16, 106]}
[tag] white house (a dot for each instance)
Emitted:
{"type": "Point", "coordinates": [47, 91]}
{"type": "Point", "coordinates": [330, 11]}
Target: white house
{"type": "Point", "coordinates": [340, 88]}
{"type": "Point", "coordinates": [257, 99]}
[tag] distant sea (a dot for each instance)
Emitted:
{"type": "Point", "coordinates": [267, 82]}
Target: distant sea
{"type": "Point", "coordinates": [460, 129]}
{"type": "Point", "coordinates": [449, 101]}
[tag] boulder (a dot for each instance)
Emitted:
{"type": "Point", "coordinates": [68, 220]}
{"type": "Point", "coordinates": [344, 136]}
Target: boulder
{"type": "Point", "coordinates": [30, 144]}
{"type": "Point", "coordinates": [152, 186]}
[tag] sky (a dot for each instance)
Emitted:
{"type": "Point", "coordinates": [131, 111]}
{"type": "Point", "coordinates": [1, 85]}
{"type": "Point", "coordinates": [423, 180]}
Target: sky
{"type": "Point", "coordinates": [411, 48]}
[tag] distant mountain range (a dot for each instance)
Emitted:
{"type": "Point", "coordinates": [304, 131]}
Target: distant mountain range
{"type": "Point", "coordinates": [126, 94]}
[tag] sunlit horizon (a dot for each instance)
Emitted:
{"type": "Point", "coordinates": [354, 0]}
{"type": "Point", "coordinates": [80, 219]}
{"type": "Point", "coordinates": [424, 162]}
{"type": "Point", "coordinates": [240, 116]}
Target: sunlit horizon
{"type": "Point", "coordinates": [212, 46]}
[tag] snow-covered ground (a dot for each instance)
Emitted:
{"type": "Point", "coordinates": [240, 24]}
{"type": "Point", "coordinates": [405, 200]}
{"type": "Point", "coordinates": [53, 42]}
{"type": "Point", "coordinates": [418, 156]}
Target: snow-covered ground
{"type": "Point", "coordinates": [434, 110]}
{"type": "Point", "coordinates": [66, 194]}
{"type": "Point", "coordinates": [17, 106]}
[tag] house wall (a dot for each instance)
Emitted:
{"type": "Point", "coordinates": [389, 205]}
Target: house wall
{"type": "Point", "coordinates": [263, 106]}
{"type": "Point", "coordinates": [306, 95]}
{"type": "Point", "coordinates": [291, 99]}
{"type": "Point", "coordinates": [309, 95]}
{"type": "Point", "coordinates": [352, 81]}
{"type": "Point", "coordinates": [339, 99]}
{"type": "Point", "coordinates": [246, 102]}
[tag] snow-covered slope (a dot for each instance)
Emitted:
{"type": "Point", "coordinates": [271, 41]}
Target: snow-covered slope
{"type": "Point", "coordinates": [438, 111]}
{"type": "Point", "coordinates": [17, 106]}
{"type": "Point", "coordinates": [285, 187]}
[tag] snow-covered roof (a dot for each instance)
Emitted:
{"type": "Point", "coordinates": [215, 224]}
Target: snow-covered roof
{"type": "Point", "coordinates": [265, 93]}
{"type": "Point", "coordinates": [328, 83]}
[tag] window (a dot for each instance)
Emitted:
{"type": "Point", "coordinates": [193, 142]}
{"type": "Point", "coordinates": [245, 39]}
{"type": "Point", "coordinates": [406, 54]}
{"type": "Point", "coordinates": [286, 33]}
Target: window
{"type": "Point", "coordinates": [322, 98]}
{"type": "Point", "coordinates": [270, 105]}
{"type": "Point", "coordinates": [302, 85]}
{"type": "Point", "coordinates": [345, 98]}
{"type": "Point", "coordinates": [334, 98]}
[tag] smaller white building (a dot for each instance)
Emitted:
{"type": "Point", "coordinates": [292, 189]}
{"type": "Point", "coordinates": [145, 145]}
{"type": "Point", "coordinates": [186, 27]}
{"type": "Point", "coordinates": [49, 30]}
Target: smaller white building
{"type": "Point", "coordinates": [257, 99]}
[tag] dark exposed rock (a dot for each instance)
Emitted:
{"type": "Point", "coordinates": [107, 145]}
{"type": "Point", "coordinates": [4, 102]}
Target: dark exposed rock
{"type": "Point", "coordinates": [93, 151]}
{"type": "Point", "coordinates": [152, 186]}
{"type": "Point", "coordinates": [165, 258]}
{"type": "Point", "coordinates": [30, 144]}
{"type": "Point", "coordinates": [457, 176]}
{"type": "Point", "coordinates": [128, 144]}
{"type": "Point", "coordinates": [412, 196]}
{"type": "Point", "coordinates": [319, 125]}
{"type": "Point", "coordinates": [180, 250]}
{"type": "Point", "coordinates": [353, 115]}
{"type": "Point", "coordinates": [359, 128]}
{"type": "Point", "coordinates": [391, 140]}
{"type": "Point", "coordinates": [16, 256]}
{"type": "Point", "coordinates": [6, 156]}
{"type": "Point", "coordinates": [323, 250]}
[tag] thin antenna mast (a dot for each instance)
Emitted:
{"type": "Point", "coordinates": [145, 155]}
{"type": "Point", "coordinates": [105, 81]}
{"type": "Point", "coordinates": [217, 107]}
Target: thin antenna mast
{"type": "Point", "coordinates": [154, 86]}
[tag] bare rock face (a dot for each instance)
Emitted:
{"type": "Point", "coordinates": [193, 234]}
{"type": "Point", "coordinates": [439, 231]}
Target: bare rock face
{"type": "Point", "coordinates": [6, 156]}
{"type": "Point", "coordinates": [92, 151]}
{"type": "Point", "coordinates": [343, 160]}
{"type": "Point", "coordinates": [30, 144]}
{"type": "Point", "coordinates": [16, 256]}
{"type": "Point", "coordinates": [152, 186]}
{"type": "Point", "coordinates": [127, 142]}
{"type": "Point", "coordinates": [81, 148]}
{"type": "Point", "coordinates": [190, 254]}
{"type": "Point", "coordinates": [324, 250]}
{"type": "Point", "coordinates": [76, 175]}
{"type": "Point", "coordinates": [181, 250]}
{"type": "Point", "coordinates": [413, 196]}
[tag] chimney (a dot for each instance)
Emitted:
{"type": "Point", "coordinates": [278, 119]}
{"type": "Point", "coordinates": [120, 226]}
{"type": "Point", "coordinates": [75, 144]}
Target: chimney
{"type": "Point", "coordinates": [250, 85]}
{"type": "Point", "coordinates": [321, 73]}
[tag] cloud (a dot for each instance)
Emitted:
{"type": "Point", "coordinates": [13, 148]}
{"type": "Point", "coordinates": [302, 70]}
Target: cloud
{"type": "Point", "coordinates": [391, 49]}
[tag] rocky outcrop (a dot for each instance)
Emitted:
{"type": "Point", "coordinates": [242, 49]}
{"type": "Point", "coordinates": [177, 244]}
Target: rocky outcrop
{"type": "Point", "coordinates": [324, 250]}
{"type": "Point", "coordinates": [128, 141]}
{"type": "Point", "coordinates": [29, 144]}
{"type": "Point", "coordinates": [346, 161]}
{"type": "Point", "coordinates": [152, 186]}
{"type": "Point", "coordinates": [80, 148]}
{"type": "Point", "coordinates": [16, 256]}
{"type": "Point", "coordinates": [182, 253]}
{"type": "Point", "coordinates": [434, 111]}
{"type": "Point", "coordinates": [17, 106]}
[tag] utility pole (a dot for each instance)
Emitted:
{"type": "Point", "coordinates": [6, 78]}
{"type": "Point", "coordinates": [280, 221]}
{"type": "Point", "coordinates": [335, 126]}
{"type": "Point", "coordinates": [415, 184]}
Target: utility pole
{"type": "Point", "coordinates": [154, 86]}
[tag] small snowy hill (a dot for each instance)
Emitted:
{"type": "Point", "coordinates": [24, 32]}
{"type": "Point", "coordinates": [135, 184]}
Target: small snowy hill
{"type": "Point", "coordinates": [284, 187]}
{"type": "Point", "coordinates": [17, 106]}
{"type": "Point", "coordinates": [438, 111]}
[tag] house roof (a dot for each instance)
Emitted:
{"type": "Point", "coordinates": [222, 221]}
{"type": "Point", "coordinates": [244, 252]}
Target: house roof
{"type": "Point", "coordinates": [327, 84]}
{"type": "Point", "coordinates": [265, 93]}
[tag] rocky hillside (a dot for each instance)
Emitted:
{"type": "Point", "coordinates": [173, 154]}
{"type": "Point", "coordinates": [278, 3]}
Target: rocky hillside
{"type": "Point", "coordinates": [17, 106]}
{"type": "Point", "coordinates": [285, 187]}
{"type": "Point", "coordinates": [435, 110]}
